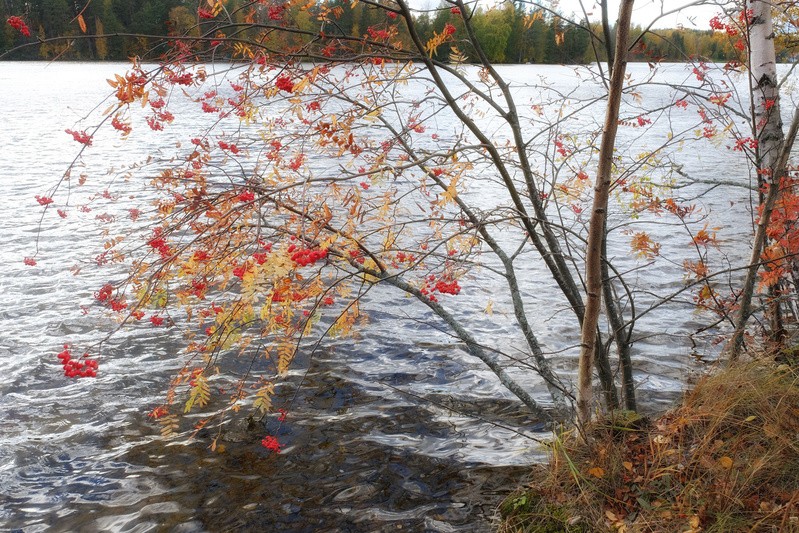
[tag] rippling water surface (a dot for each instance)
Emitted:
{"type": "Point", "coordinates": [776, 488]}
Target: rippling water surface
{"type": "Point", "coordinates": [363, 451]}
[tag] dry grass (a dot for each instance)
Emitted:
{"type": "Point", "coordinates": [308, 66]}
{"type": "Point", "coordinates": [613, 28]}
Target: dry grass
{"type": "Point", "coordinates": [727, 460]}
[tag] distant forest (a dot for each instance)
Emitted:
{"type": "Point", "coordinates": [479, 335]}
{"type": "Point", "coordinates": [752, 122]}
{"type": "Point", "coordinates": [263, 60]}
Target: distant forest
{"type": "Point", "coordinates": [510, 34]}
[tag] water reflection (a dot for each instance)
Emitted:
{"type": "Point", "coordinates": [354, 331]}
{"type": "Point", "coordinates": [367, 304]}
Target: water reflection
{"type": "Point", "coordinates": [371, 465]}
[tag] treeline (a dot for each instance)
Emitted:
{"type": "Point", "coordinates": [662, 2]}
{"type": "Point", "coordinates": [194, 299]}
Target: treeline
{"type": "Point", "coordinates": [58, 18]}
{"type": "Point", "coordinates": [509, 34]}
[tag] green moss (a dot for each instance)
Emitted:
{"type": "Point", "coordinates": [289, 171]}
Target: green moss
{"type": "Point", "coordinates": [724, 523]}
{"type": "Point", "coordinates": [528, 512]}
{"type": "Point", "coordinates": [789, 356]}
{"type": "Point", "coordinates": [622, 420]}
{"type": "Point", "coordinates": [518, 504]}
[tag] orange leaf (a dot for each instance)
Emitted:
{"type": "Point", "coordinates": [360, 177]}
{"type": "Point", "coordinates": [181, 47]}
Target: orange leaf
{"type": "Point", "coordinates": [643, 246]}
{"type": "Point", "coordinates": [82, 23]}
{"type": "Point", "coordinates": [705, 238]}
{"type": "Point", "coordinates": [769, 277]}
{"type": "Point", "coordinates": [596, 472]}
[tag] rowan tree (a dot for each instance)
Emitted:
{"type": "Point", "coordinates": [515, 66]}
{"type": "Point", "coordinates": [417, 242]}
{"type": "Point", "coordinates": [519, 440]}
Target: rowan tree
{"type": "Point", "coordinates": [331, 164]}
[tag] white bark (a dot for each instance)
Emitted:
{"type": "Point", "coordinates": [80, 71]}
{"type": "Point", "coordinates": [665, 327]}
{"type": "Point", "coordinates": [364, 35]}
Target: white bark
{"type": "Point", "coordinates": [764, 88]}
{"type": "Point", "coordinates": [767, 128]}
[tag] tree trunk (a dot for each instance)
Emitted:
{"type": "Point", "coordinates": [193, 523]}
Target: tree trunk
{"type": "Point", "coordinates": [767, 129]}
{"type": "Point", "coordinates": [596, 233]}
{"type": "Point", "coordinates": [608, 35]}
{"type": "Point", "coordinates": [621, 333]}
{"type": "Point", "coordinates": [745, 304]}
{"type": "Point", "coordinates": [766, 119]}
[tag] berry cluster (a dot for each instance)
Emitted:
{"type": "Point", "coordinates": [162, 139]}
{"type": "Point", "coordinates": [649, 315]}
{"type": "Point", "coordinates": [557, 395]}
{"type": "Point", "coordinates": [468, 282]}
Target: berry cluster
{"type": "Point", "coordinates": [105, 292]}
{"type": "Point", "coordinates": [448, 287]}
{"type": "Point", "coordinates": [159, 243]}
{"type": "Point", "coordinates": [271, 443]}
{"type": "Point", "coordinates": [229, 146]}
{"type": "Point", "coordinates": [306, 256]}
{"type": "Point", "coordinates": [240, 270]}
{"type": "Point", "coordinates": [19, 24]}
{"type": "Point", "coordinates": [378, 34]}
{"type": "Point", "coordinates": [246, 196]}
{"type": "Point", "coordinates": [81, 137]}
{"type": "Point", "coordinates": [443, 285]}
{"type": "Point", "coordinates": [105, 296]}
{"type": "Point", "coordinates": [77, 369]}
{"type": "Point", "coordinates": [276, 12]}
{"type": "Point", "coordinates": [117, 124]}
{"type": "Point", "coordinates": [284, 83]}
{"type": "Point", "coordinates": [186, 78]}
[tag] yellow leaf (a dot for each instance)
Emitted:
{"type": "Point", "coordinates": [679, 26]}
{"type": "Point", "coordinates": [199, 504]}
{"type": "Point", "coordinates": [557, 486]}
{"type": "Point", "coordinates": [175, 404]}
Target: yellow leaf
{"type": "Point", "coordinates": [628, 465]}
{"type": "Point", "coordinates": [489, 310]}
{"type": "Point", "coordinates": [750, 418]}
{"type": "Point", "coordinates": [263, 398]}
{"type": "Point", "coordinates": [300, 85]}
{"type": "Point", "coordinates": [726, 462]}
{"type": "Point", "coordinates": [200, 393]}
{"type": "Point", "coordinates": [169, 424]}
{"type": "Point", "coordinates": [452, 191]}
{"type": "Point", "coordinates": [285, 356]}
{"type": "Point", "coordinates": [596, 472]}
{"type": "Point", "coordinates": [530, 19]}
{"type": "Point", "coordinates": [694, 521]}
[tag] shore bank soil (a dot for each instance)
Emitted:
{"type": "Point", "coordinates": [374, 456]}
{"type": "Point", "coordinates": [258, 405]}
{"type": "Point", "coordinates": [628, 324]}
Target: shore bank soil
{"type": "Point", "coordinates": [726, 460]}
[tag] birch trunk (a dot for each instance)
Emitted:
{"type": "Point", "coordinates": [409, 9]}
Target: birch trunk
{"type": "Point", "coordinates": [766, 120]}
{"type": "Point", "coordinates": [760, 238]}
{"type": "Point", "coordinates": [767, 128]}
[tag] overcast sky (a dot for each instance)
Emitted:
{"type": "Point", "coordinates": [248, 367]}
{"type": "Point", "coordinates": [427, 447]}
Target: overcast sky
{"type": "Point", "coordinates": [646, 10]}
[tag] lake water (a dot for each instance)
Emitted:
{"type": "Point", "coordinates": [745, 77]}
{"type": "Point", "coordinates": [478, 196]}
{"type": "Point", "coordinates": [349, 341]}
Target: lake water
{"type": "Point", "coordinates": [393, 429]}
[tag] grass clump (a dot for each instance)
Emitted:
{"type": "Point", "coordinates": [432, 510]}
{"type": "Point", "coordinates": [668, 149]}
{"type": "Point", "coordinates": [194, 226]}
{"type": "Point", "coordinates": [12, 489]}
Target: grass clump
{"type": "Point", "coordinates": [726, 460]}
